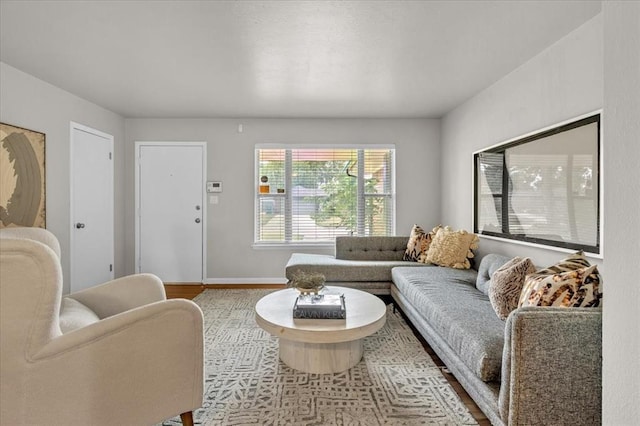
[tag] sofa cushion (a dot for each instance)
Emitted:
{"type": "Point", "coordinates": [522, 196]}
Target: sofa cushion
{"type": "Point", "coordinates": [74, 315]}
{"type": "Point", "coordinates": [452, 248]}
{"type": "Point", "coordinates": [460, 314]}
{"type": "Point", "coordinates": [489, 264]}
{"type": "Point", "coordinates": [506, 285]}
{"type": "Point", "coordinates": [371, 248]}
{"type": "Point", "coordinates": [341, 270]}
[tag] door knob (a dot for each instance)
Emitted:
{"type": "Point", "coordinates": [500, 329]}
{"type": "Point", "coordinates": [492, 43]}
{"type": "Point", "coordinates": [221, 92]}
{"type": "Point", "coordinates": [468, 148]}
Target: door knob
{"type": "Point", "coordinates": [197, 220]}
{"type": "Point", "coordinates": [79, 225]}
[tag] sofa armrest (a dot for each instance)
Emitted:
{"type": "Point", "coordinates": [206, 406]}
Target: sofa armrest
{"type": "Point", "coordinates": [122, 294]}
{"type": "Point", "coordinates": [552, 366]}
{"type": "Point", "coordinates": [371, 248]}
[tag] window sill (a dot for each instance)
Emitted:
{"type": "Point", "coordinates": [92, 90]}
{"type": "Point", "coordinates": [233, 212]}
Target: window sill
{"type": "Point", "coordinates": [541, 246]}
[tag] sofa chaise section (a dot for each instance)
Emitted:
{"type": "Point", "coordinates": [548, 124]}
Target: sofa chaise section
{"type": "Point", "coordinates": [363, 263]}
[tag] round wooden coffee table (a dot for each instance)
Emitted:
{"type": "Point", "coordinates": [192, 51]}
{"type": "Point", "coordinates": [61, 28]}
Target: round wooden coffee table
{"type": "Point", "coordinates": [321, 346]}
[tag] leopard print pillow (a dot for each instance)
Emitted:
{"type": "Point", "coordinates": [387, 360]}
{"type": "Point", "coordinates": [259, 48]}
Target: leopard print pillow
{"type": "Point", "coordinates": [418, 244]}
{"type": "Point", "coordinates": [506, 285]}
{"type": "Point", "coordinates": [574, 282]}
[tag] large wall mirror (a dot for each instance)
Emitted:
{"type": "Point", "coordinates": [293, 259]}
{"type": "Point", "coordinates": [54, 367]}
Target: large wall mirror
{"type": "Point", "coordinates": [543, 188]}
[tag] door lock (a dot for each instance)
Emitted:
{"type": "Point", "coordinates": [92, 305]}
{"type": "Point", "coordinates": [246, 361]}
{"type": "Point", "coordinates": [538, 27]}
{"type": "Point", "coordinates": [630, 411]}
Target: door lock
{"type": "Point", "coordinates": [79, 225]}
{"type": "Point", "coordinates": [198, 220]}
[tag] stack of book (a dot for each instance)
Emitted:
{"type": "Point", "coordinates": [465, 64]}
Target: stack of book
{"type": "Point", "coordinates": [324, 306]}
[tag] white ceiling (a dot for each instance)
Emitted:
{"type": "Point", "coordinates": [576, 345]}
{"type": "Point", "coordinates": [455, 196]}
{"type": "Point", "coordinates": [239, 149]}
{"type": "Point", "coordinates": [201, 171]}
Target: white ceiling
{"type": "Point", "coordinates": [280, 58]}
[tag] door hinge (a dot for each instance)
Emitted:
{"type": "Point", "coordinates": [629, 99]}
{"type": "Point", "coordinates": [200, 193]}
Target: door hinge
{"type": "Point", "coordinates": [109, 156]}
{"type": "Point", "coordinates": [111, 267]}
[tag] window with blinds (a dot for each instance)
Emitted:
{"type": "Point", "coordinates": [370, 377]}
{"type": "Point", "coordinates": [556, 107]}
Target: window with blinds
{"type": "Point", "coordinates": [543, 188]}
{"type": "Point", "coordinates": [313, 194]}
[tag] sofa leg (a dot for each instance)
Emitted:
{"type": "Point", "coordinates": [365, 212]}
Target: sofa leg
{"type": "Point", "coordinates": [187, 418]}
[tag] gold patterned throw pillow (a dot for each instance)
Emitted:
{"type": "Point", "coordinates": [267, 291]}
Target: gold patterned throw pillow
{"type": "Point", "coordinates": [506, 285]}
{"type": "Point", "coordinates": [452, 249]}
{"type": "Point", "coordinates": [572, 283]}
{"type": "Point", "coordinates": [418, 244]}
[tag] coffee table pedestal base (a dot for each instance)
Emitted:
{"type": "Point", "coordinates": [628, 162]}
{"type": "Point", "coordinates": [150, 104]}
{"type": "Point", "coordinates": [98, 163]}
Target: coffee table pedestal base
{"type": "Point", "coordinates": [321, 358]}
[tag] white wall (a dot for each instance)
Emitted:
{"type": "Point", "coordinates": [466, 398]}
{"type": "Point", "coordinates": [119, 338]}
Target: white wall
{"type": "Point", "coordinates": [562, 82]}
{"type": "Point", "coordinates": [231, 257]}
{"type": "Point", "coordinates": [31, 103]}
{"type": "Point", "coordinates": [621, 322]}
{"type": "Point", "coordinates": [596, 66]}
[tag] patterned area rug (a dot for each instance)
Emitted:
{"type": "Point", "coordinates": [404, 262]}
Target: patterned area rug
{"type": "Point", "coordinates": [396, 383]}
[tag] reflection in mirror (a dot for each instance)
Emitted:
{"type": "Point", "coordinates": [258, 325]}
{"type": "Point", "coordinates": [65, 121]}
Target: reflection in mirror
{"type": "Point", "coordinates": [542, 188]}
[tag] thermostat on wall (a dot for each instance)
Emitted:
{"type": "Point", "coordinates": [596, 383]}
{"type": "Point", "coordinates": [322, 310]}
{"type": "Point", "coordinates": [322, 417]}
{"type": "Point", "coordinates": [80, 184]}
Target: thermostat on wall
{"type": "Point", "coordinates": [214, 186]}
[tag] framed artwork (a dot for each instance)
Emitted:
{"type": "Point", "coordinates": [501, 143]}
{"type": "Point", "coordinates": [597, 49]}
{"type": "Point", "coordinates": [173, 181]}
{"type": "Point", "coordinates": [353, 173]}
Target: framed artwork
{"type": "Point", "coordinates": [22, 177]}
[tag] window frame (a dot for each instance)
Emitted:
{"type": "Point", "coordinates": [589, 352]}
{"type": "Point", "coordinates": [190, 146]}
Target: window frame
{"type": "Point", "coordinates": [595, 250]}
{"type": "Point", "coordinates": [289, 242]}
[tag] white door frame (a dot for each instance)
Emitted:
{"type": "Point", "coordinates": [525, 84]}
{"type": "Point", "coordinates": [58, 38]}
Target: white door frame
{"type": "Point", "coordinates": [72, 245]}
{"type": "Point", "coordinates": [138, 145]}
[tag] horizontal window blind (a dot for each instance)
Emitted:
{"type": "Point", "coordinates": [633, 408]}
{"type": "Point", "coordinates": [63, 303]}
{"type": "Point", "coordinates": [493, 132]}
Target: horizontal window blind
{"type": "Point", "coordinates": [307, 195]}
{"type": "Point", "coordinates": [552, 196]}
{"type": "Point", "coordinates": [489, 191]}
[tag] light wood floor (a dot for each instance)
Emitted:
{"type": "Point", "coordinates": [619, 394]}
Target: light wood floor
{"type": "Point", "coordinates": [188, 291]}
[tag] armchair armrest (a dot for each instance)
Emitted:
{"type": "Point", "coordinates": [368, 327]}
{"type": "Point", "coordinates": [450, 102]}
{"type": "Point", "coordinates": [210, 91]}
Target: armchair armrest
{"type": "Point", "coordinates": [151, 349]}
{"type": "Point", "coordinates": [552, 366]}
{"type": "Point", "coordinates": [121, 324]}
{"type": "Point", "coordinates": [122, 294]}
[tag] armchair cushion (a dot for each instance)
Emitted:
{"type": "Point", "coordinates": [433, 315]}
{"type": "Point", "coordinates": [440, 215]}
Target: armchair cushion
{"type": "Point", "coordinates": [74, 314]}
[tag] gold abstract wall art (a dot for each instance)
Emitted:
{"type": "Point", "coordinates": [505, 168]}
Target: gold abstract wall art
{"type": "Point", "coordinates": [22, 177]}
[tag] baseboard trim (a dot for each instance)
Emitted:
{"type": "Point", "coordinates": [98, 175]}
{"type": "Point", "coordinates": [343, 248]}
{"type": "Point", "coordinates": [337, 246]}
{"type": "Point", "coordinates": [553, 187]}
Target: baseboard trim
{"type": "Point", "coordinates": [242, 286]}
{"type": "Point", "coordinates": [236, 281]}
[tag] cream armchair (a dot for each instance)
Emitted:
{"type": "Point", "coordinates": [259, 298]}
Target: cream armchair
{"type": "Point", "coordinates": [115, 354]}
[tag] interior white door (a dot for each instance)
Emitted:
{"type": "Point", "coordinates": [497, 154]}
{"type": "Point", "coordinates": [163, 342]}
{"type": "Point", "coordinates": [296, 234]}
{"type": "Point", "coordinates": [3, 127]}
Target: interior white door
{"type": "Point", "coordinates": [92, 229]}
{"type": "Point", "coordinates": [170, 207]}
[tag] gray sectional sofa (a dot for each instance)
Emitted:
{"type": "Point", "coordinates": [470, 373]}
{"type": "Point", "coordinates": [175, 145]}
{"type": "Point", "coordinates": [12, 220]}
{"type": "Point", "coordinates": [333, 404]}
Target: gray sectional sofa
{"type": "Point", "coordinates": [542, 366]}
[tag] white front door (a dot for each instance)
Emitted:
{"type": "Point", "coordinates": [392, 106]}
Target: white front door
{"type": "Point", "coordinates": [92, 230]}
{"type": "Point", "coordinates": [169, 199]}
